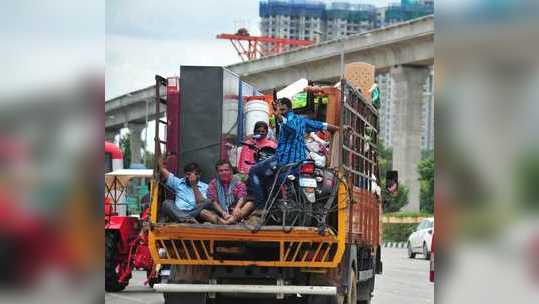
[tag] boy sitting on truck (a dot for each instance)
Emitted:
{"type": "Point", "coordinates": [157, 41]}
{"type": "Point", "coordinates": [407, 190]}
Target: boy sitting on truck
{"type": "Point", "coordinates": [190, 201]}
{"type": "Point", "coordinates": [227, 193]}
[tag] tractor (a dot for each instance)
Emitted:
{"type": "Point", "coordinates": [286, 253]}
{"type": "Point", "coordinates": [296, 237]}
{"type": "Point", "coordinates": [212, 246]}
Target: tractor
{"type": "Point", "coordinates": [126, 230]}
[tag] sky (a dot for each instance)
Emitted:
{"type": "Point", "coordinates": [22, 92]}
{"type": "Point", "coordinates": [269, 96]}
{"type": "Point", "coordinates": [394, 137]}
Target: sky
{"type": "Point", "coordinates": [144, 39]}
{"type": "Point", "coordinates": [48, 44]}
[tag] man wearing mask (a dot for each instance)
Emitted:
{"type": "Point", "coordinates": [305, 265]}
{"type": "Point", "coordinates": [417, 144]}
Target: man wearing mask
{"type": "Point", "coordinates": [290, 148]}
{"type": "Point", "coordinates": [227, 193]}
{"type": "Point", "coordinates": [260, 140]}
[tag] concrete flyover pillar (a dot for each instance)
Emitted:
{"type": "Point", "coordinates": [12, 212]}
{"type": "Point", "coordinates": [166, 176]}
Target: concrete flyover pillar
{"type": "Point", "coordinates": [136, 142]}
{"type": "Point", "coordinates": [407, 98]}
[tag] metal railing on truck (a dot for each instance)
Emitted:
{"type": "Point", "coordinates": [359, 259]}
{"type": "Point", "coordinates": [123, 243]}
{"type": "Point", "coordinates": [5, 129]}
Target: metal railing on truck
{"type": "Point", "coordinates": [359, 164]}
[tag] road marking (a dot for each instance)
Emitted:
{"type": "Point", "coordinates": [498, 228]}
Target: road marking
{"type": "Point", "coordinates": [394, 244]}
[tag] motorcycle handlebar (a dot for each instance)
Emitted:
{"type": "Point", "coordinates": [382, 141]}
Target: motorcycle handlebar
{"type": "Point", "coordinates": [252, 146]}
{"type": "Point", "coordinates": [294, 164]}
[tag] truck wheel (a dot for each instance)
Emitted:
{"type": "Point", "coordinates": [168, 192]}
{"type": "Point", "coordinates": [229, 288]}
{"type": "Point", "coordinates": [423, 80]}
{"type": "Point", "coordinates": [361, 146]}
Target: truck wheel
{"type": "Point", "coordinates": [185, 298]}
{"type": "Point", "coordinates": [111, 266]}
{"type": "Point", "coordinates": [365, 291]}
{"type": "Point", "coordinates": [314, 299]}
{"type": "Point", "coordinates": [426, 253]}
{"type": "Point", "coordinates": [364, 301]}
{"type": "Point", "coordinates": [351, 296]}
{"type": "Point", "coordinates": [411, 254]}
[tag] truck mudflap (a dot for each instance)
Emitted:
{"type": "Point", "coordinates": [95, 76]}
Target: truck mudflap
{"type": "Point", "coordinates": [246, 289]}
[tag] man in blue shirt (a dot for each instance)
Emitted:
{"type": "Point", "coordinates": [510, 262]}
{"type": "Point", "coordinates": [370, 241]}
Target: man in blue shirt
{"type": "Point", "coordinates": [290, 148]}
{"type": "Point", "coordinates": [190, 202]}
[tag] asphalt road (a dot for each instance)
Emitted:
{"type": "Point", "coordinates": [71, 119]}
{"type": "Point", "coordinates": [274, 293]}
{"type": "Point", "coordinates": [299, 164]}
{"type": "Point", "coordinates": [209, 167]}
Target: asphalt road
{"type": "Point", "coordinates": [404, 281]}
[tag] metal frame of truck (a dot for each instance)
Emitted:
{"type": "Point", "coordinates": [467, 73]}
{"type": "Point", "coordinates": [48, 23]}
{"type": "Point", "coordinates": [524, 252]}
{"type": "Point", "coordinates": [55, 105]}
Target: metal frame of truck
{"type": "Point", "coordinates": [340, 265]}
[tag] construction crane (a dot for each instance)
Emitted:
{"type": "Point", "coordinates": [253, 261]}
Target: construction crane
{"type": "Point", "coordinates": [253, 47]}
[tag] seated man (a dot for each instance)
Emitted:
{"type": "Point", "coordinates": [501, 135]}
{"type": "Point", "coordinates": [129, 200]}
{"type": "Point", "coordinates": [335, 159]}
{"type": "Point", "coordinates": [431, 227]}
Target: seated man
{"type": "Point", "coordinates": [227, 194]}
{"type": "Point", "coordinates": [190, 202]}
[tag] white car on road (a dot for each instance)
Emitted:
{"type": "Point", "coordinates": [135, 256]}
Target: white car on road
{"type": "Point", "coordinates": [420, 240]}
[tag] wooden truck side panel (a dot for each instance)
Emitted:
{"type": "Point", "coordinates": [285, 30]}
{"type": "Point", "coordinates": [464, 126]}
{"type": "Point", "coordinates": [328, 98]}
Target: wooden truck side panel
{"type": "Point", "coordinates": [364, 218]}
{"type": "Point", "coordinates": [357, 156]}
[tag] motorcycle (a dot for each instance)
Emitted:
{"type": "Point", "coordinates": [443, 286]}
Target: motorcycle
{"type": "Point", "coordinates": [292, 194]}
{"type": "Point", "coordinates": [300, 194]}
{"type": "Point", "coordinates": [306, 196]}
{"type": "Point", "coordinates": [260, 153]}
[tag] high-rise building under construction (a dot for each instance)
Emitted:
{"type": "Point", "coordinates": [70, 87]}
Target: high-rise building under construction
{"type": "Point", "coordinates": [321, 21]}
{"type": "Point", "coordinates": [406, 10]}
{"type": "Point", "coordinates": [314, 20]}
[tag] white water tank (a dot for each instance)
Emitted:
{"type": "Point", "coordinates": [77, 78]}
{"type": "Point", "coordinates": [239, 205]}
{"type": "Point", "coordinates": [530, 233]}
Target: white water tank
{"type": "Point", "coordinates": [255, 110]}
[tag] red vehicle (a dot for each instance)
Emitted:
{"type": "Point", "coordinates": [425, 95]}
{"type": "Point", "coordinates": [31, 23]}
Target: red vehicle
{"type": "Point", "coordinates": [32, 241]}
{"type": "Point", "coordinates": [126, 239]}
{"type": "Point", "coordinates": [113, 157]}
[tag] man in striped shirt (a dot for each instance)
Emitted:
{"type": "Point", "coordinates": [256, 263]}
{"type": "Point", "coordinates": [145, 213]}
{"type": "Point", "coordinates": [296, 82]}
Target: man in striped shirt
{"type": "Point", "coordinates": [290, 148]}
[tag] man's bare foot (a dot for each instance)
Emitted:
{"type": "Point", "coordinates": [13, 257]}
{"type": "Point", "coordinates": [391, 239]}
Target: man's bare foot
{"type": "Point", "coordinates": [232, 220]}
{"type": "Point", "coordinates": [210, 216]}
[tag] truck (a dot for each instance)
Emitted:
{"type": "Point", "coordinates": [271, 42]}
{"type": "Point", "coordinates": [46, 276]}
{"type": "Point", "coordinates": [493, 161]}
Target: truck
{"type": "Point", "coordinates": [333, 259]}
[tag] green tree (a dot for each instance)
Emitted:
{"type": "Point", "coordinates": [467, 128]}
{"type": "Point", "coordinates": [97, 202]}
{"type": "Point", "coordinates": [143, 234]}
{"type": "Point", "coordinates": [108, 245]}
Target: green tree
{"type": "Point", "coordinates": [385, 161]}
{"type": "Point", "coordinates": [394, 203]}
{"type": "Point", "coordinates": [426, 154]}
{"type": "Point", "coordinates": [527, 175]}
{"type": "Point", "coordinates": [125, 145]}
{"type": "Point", "coordinates": [425, 168]}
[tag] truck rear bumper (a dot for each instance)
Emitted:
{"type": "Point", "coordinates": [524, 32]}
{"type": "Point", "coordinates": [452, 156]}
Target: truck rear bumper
{"type": "Point", "coordinates": [256, 289]}
{"type": "Point", "coordinates": [211, 245]}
